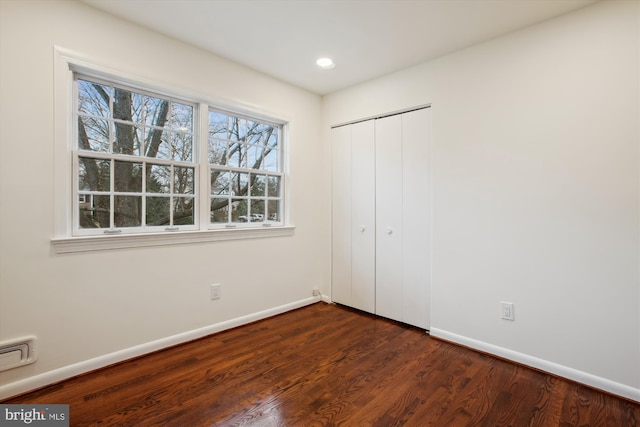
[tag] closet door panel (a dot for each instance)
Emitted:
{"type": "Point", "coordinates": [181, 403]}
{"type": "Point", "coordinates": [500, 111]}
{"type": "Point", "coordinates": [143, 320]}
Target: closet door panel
{"type": "Point", "coordinates": [388, 134]}
{"type": "Point", "coordinates": [341, 215]}
{"type": "Point", "coordinates": [363, 205]}
{"type": "Point", "coordinates": [416, 218]}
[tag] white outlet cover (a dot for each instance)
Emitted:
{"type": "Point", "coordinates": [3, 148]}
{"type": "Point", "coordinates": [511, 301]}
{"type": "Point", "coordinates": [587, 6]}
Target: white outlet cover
{"type": "Point", "coordinates": [506, 310]}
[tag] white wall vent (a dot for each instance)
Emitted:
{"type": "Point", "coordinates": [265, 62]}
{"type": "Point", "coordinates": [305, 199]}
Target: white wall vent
{"type": "Point", "coordinates": [17, 353]}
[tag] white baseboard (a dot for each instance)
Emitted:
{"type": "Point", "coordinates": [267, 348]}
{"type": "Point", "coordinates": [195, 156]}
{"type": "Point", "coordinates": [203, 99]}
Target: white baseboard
{"type": "Point", "coordinates": [60, 374]}
{"type": "Point", "coordinates": [604, 384]}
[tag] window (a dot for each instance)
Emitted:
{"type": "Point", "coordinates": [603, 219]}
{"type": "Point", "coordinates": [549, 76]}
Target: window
{"type": "Point", "coordinates": [135, 168]}
{"type": "Point", "coordinates": [139, 165]}
{"type": "Point", "coordinates": [245, 170]}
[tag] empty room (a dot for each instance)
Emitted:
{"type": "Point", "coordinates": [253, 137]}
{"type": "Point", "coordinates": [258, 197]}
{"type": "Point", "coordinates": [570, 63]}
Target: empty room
{"type": "Point", "coordinates": [317, 212]}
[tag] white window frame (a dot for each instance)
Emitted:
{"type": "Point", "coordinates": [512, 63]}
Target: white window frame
{"type": "Point", "coordinates": [115, 157]}
{"type": "Point", "coordinates": [66, 198]}
{"type": "Point", "coordinates": [265, 222]}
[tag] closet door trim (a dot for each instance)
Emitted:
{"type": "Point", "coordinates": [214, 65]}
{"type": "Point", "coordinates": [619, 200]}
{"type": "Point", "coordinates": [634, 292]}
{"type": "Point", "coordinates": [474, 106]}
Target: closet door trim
{"type": "Point", "coordinates": [382, 116]}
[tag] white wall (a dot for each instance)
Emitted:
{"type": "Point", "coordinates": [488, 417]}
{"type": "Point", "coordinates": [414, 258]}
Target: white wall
{"type": "Point", "coordinates": [535, 190]}
{"type": "Point", "coordinates": [87, 305]}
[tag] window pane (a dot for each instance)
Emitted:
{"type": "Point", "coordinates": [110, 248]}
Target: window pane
{"type": "Point", "coordinates": [155, 144]}
{"type": "Point", "coordinates": [183, 211]}
{"type": "Point", "coordinates": [128, 139]}
{"type": "Point", "coordinates": [237, 155]}
{"type": "Point", "coordinates": [93, 99]}
{"type": "Point", "coordinates": [273, 210]}
{"type": "Point", "coordinates": [93, 134]}
{"type": "Point", "coordinates": [218, 125]}
{"type": "Point", "coordinates": [127, 105]}
{"type": "Point", "coordinates": [217, 152]}
{"type": "Point", "coordinates": [239, 210]}
{"type": "Point", "coordinates": [270, 137]}
{"type": "Point", "coordinates": [161, 147]}
{"type": "Point", "coordinates": [158, 179]}
{"type": "Point", "coordinates": [128, 177]}
{"type": "Point", "coordinates": [254, 157]}
{"type": "Point", "coordinates": [237, 129]}
{"type": "Point", "coordinates": [239, 183]}
{"type": "Point", "coordinates": [127, 211]}
{"type": "Point", "coordinates": [257, 210]}
{"type": "Point", "coordinates": [158, 211]}
{"type": "Point", "coordinates": [219, 210]}
{"type": "Point", "coordinates": [219, 182]}
{"type": "Point", "coordinates": [257, 185]}
{"type": "Point", "coordinates": [271, 160]}
{"type": "Point", "coordinates": [183, 180]}
{"type": "Point", "coordinates": [259, 133]}
{"type": "Point", "coordinates": [94, 212]}
{"type": "Point", "coordinates": [253, 132]}
{"type": "Point", "coordinates": [94, 174]}
{"type": "Point", "coordinates": [182, 117]}
{"type": "Point", "coordinates": [156, 111]}
{"type": "Point", "coordinates": [273, 137]}
{"type": "Point", "coordinates": [182, 147]}
{"type": "Point", "coordinates": [273, 189]}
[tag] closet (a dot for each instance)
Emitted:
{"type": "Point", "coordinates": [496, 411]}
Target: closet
{"type": "Point", "coordinates": [381, 218]}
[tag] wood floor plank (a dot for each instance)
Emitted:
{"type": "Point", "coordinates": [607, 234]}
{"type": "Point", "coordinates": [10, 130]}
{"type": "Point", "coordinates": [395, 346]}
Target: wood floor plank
{"type": "Point", "coordinates": [326, 365]}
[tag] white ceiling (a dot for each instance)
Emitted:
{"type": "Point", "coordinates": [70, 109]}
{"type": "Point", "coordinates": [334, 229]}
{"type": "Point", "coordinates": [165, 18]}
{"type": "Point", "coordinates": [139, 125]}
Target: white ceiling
{"type": "Point", "coordinates": [366, 38]}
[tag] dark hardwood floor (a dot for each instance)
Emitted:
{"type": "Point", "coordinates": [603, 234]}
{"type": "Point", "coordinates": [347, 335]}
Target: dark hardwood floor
{"type": "Point", "coordinates": [326, 365]}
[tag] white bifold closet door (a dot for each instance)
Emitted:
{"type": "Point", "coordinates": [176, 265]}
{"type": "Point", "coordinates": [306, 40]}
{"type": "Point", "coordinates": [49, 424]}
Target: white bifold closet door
{"type": "Point", "coordinates": [389, 230]}
{"type": "Point", "coordinates": [353, 216]}
{"type": "Point", "coordinates": [416, 218]}
{"type": "Point", "coordinates": [381, 216]}
{"type": "Point", "coordinates": [363, 217]}
{"type": "Point", "coordinates": [403, 217]}
{"type": "Point", "coordinates": [341, 215]}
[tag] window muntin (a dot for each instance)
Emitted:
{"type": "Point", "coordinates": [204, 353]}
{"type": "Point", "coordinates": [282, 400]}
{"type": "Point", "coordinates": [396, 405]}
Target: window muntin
{"type": "Point", "coordinates": [245, 165]}
{"type": "Point", "coordinates": [134, 160]}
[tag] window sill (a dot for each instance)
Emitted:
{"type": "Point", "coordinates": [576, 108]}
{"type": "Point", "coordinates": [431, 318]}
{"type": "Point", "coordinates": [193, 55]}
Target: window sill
{"type": "Point", "coordinates": [99, 243]}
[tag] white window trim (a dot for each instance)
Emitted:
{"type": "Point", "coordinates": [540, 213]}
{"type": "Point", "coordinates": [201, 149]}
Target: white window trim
{"type": "Point", "coordinates": [66, 63]}
{"type": "Point", "coordinates": [96, 243]}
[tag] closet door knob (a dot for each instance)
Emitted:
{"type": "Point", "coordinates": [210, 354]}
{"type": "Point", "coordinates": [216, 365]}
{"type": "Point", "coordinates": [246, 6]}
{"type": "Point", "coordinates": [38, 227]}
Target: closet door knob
{"type": "Point", "coordinates": [362, 228]}
{"type": "Point", "coordinates": [388, 230]}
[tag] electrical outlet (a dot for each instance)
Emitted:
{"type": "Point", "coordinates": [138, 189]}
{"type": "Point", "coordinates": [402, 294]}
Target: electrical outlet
{"type": "Point", "coordinates": [215, 291]}
{"type": "Point", "coordinates": [506, 311]}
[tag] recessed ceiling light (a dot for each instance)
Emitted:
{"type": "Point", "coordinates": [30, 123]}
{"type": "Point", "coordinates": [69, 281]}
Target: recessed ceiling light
{"type": "Point", "coordinates": [326, 63]}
